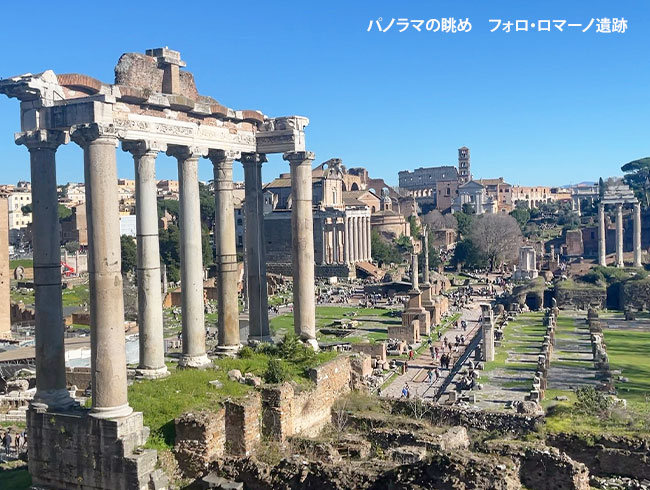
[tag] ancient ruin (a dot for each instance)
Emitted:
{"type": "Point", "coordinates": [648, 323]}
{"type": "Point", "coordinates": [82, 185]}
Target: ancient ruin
{"type": "Point", "coordinates": [153, 106]}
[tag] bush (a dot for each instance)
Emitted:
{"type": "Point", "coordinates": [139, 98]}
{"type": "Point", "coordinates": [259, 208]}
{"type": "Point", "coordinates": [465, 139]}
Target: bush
{"type": "Point", "coordinates": [289, 346]}
{"type": "Point", "coordinates": [277, 372]}
{"type": "Point", "coordinates": [593, 402]}
{"type": "Point", "coordinates": [246, 352]}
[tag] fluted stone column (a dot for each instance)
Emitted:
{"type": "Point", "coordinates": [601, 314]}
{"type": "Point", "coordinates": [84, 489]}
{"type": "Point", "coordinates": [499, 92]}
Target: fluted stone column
{"type": "Point", "coordinates": [302, 245]}
{"type": "Point", "coordinates": [602, 236]}
{"type": "Point", "coordinates": [258, 309]}
{"type": "Point", "coordinates": [150, 320]}
{"type": "Point", "coordinates": [346, 238]}
{"type": "Point", "coordinates": [50, 352]}
{"type": "Point", "coordinates": [619, 235]}
{"type": "Point", "coordinates": [226, 248]}
{"type": "Point", "coordinates": [192, 308]}
{"type": "Point", "coordinates": [107, 341]}
{"type": "Point", "coordinates": [637, 234]}
{"type": "Point", "coordinates": [335, 239]}
{"type": "Point", "coordinates": [357, 239]}
{"type": "Point", "coordinates": [364, 238]}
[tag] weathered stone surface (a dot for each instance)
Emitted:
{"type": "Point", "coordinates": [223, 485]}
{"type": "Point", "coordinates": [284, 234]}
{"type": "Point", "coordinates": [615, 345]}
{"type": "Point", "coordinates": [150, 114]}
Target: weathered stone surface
{"type": "Point", "coordinates": [200, 438]}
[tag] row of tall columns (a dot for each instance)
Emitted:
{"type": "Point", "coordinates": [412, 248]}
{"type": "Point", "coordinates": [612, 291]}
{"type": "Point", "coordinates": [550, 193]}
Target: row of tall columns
{"type": "Point", "coordinates": [602, 235]}
{"type": "Point", "coordinates": [302, 244]}
{"type": "Point", "coordinates": [357, 239]}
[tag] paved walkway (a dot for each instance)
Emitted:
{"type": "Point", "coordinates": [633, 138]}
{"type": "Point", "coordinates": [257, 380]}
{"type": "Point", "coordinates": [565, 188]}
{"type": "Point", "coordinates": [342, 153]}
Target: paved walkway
{"type": "Point", "coordinates": [416, 377]}
{"type": "Point", "coordinates": [572, 359]}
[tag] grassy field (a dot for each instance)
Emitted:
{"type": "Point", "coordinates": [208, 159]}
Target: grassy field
{"type": "Point", "coordinates": [523, 336]}
{"type": "Point", "coordinates": [628, 352]}
{"type": "Point", "coordinates": [161, 401]}
{"type": "Point", "coordinates": [14, 479]}
{"type": "Point", "coordinates": [26, 263]}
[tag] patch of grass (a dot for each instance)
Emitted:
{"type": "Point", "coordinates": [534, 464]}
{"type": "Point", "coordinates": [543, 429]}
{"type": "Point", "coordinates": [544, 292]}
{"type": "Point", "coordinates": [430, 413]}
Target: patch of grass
{"type": "Point", "coordinates": [76, 296]}
{"type": "Point", "coordinates": [161, 401]}
{"type": "Point", "coordinates": [15, 479]}
{"type": "Point", "coordinates": [26, 263]}
{"type": "Point", "coordinates": [628, 352]}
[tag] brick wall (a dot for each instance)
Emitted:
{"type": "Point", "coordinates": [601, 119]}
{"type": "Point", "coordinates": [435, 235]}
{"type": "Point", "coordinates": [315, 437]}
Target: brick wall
{"type": "Point", "coordinates": [376, 350]}
{"type": "Point", "coordinates": [243, 428]}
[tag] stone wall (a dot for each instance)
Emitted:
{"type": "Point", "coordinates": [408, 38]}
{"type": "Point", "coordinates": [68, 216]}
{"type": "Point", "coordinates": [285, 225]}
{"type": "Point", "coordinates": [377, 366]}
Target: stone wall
{"type": "Point", "coordinates": [79, 377]}
{"type": "Point", "coordinates": [504, 423]}
{"type": "Point", "coordinates": [376, 350]}
{"type": "Point", "coordinates": [201, 437]}
{"type": "Point", "coordinates": [634, 294]}
{"type": "Point", "coordinates": [607, 455]}
{"type": "Point", "coordinates": [572, 294]}
{"type": "Point", "coordinates": [243, 428]}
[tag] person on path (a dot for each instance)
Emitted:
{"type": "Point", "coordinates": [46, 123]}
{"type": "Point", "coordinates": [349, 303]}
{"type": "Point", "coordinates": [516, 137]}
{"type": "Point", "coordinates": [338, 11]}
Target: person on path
{"type": "Point", "coordinates": [411, 355]}
{"type": "Point", "coordinates": [430, 376]}
{"type": "Point", "coordinates": [7, 442]}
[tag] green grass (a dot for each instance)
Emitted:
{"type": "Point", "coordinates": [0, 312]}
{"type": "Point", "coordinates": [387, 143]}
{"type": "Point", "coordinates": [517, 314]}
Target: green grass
{"type": "Point", "coordinates": [161, 401]}
{"type": "Point", "coordinates": [521, 336]}
{"type": "Point", "coordinates": [629, 352]}
{"type": "Point", "coordinates": [26, 263]}
{"type": "Point", "coordinates": [76, 296]}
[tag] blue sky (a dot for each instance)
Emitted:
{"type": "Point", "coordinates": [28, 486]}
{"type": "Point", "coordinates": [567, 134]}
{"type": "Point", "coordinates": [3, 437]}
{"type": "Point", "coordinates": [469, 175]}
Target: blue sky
{"type": "Point", "coordinates": [547, 108]}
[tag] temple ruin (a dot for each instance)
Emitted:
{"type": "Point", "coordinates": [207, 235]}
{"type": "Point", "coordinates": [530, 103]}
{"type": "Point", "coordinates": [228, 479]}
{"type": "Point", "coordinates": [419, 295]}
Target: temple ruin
{"type": "Point", "coordinates": [153, 106]}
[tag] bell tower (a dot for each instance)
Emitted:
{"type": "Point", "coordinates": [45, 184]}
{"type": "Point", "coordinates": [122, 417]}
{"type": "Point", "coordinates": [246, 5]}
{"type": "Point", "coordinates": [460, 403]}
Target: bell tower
{"type": "Point", "coordinates": [464, 174]}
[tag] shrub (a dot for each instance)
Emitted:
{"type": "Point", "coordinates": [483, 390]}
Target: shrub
{"type": "Point", "coordinates": [593, 402]}
{"type": "Point", "coordinates": [289, 346]}
{"type": "Point", "coordinates": [246, 352]}
{"type": "Point", "coordinates": [277, 372]}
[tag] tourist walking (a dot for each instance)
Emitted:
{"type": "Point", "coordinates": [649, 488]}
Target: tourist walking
{"type": "Point", "coordinates": [7, 442]}
{"type": "Point", "coordinates": [430, 376]}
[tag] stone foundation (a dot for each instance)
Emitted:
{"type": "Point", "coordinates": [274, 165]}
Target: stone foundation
{"type": "Point", "coordinates": [73, 450]}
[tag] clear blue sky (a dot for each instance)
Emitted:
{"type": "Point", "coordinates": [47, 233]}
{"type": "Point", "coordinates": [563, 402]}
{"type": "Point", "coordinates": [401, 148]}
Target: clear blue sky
{"type": "Point", "coordinates": [534, 107]}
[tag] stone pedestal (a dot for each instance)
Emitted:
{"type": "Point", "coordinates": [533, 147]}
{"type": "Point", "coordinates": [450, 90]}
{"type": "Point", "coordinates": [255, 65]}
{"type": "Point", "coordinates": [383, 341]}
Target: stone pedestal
{"type": "Point", "coordinates": [302, 246]}
{"type": "Point", "coordinates": [150, 321]}
{"type": "Point", "coordinates": [72, 450]}
{"type": "Point", "coordinates": [194, 355]}
{"type": "Point", "coordinates": [226, 249]}
{"type": "Point", "coordinates": [429, 303]}
{"type": "Point", "coordinates": [258, 309]}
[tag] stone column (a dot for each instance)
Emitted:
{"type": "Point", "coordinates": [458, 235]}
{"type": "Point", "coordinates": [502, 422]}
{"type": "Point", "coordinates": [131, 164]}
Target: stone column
{"type": "Point", "coordinates": [150, 320]}
{"type": "Point", "coordinates": [107, 341]}
{"type": "Point", "coordinates": [426, 256]}
{"type": "Point", "coordinates": [369, 232]}
{"type": "Point", "coordinates": [346, 238]}
{"type": "Point", "coordinates": [258, 309]}
{"type": "Point", "coordinates": [50, 352]}
{"type": "Point", "coordinates": [226, 248]}
{"type": "Point", "coordinates": [357, 239]}
{"type": "Point", "coordinates": [192, 308]}
{"type": "Point", "coordinates": [637, 234]}
{"type": "Point", "coordinates": [364, 238]}
{"type": "Point", "coordinates": [602, 236]}
{"type": "Point", "coordinates": [302, 244]}
{"type": "Point", "coordinates": [335, 240]}
{"type": "Point", "coordinates": [619, 235]}
{"type": "Point", "coordinates": [488, 333]}
{"type": "Point", "coordinates": [415, 281]}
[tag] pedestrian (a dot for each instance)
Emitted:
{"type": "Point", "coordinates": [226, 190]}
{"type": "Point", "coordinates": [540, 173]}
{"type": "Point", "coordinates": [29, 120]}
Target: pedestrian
{"type": "Point", "coordinates": [405, 391]}
{"type": "Point", "coordinates": [437, 373]}
{"type": "Point", "coordinates": [406, 367]}
{"type": "Point", "coordinates": [7, 442]}
{"type": "Point", "coordinates": [430, 376]}
{"type": "Point", "coordinates": [411, 355]}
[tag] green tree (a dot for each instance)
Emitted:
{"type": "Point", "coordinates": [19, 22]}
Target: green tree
{"type": "Point", "coordinates": [207, 204]}
{"type": "Point", "coordinates": [64, 213]}
{"type": "Point", "coordinates": [26, 209]}
{"type": "Point", "coordinates": [170, 251]}
{"type": "Point", "coordinates": [468, 208]}
{"type": "Point", "coordinates": [383, 251]}
{"type": "Point", "coordinates": [416, 232]}
{"type": "Point", "coordinates": [129, 254]}
{"type": "Point", "coordinates": [521, 215]}
{"type": "Point", "coordinates": [637, 176]}
{"type": "Point", "coordinates": [172, 206]}
{"type": "Point", "coordinates": [601, 188]}
{"type": "Point", "coordinates": [464, 221]}
{"type": "Point", "coordinates": [72, 247]}
{"type": "Point", "coordinates": [468, 255]}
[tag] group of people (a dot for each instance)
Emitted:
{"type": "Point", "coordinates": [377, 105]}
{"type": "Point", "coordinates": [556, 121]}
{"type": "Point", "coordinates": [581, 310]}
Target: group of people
{"type": "Point", "coordinates": [14, 443]}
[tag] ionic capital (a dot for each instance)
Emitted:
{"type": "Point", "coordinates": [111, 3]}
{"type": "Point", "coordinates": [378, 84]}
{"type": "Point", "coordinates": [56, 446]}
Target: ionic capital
{"type": "Point", "coordinates": [42, 139]}
{"type": "Point", "coordinates": [182, 153]}
{"type": "Point", "coordinates": [299, 157]}
{"type": "Point", "coordinates": [140, 148]}
{"type": "Point", "coordinates": [223, 158]}
{"type": "Point", "coordinates": [253, 159]}
{"type": "Point", "coordinates": [84, 134]}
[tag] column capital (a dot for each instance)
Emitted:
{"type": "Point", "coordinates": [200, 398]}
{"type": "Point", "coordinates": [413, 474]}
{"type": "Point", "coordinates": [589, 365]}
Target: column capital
{"type": "Point", "coordinates": [84, 134]}
{"type": "Point", "coordinates": [183, 153]}
{"type": "Point", "coordinates": [223, 157]}
{"type": "Point", "coordinates": [140, 148]}
{"type": "Point", "coordinates": [253, 159]}
{"type": "Point", "coordinates": [42, 139]}
{"type": "Point", "coordinates": [299, 157]}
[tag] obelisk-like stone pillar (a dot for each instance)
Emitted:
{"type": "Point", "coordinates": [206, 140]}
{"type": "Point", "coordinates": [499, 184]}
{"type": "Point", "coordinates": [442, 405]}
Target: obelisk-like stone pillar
{"type": "Point", "coordinates": [637, 234]}
{"type": "Point", "coordinates": [150, 320]}
{"type": "Point", "coordinates": [50, 352]}
{"type": "Point", "coordinates": [302, 245]}
{"type": "Point", "coordinates": [488, 333]}
{"type": "Point", "coordinates": [226, 248]}
{"type": "Point", "coordinates": [107, 341]}
{"type": "Point", "coordinates": [619, 235]}
{"type": "Point", "coordinates": [193, 326]}
{"type": "Point", "coordinates": [426, 256]}
{"type": "Point", "coordinates": [602, 236]}
{"type": "Point", "coordinates": [258, 309]}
